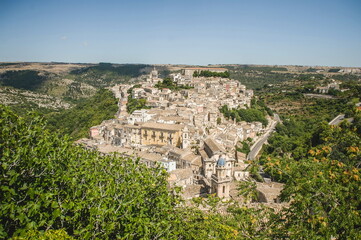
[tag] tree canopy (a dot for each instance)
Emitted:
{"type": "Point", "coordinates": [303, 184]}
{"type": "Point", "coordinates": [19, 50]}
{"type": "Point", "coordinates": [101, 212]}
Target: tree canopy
{"type": "Point", "coordinates": [168, 83]}
{"type": "Point", "coordinates": [253, 114]}
{"type": "Point", "coordinates": [87, 113]}
{"type": "Point", "coordinates": [207, 73]}
{"type": "Point", "coordinates": [49, 183]}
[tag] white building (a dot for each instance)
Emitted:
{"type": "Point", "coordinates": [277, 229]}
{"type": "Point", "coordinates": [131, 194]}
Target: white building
{"type": "Point", "coordinates": [139, 116]}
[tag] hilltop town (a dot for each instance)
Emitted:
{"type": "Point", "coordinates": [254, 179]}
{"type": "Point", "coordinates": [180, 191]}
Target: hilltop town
{"type": "Point", "coordinates": [183, 145]}
{"type": "Point", "coordinates": [183, 130]}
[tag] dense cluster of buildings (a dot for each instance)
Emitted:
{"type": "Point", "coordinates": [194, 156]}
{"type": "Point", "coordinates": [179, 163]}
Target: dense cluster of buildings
{"type": "Point", "coordinates": [182, 130]}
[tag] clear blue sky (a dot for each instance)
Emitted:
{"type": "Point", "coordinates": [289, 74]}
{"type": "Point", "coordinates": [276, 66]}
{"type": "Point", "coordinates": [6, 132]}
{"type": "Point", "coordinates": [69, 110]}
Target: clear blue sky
{"type": "Point", "coordinates": [317, 32]}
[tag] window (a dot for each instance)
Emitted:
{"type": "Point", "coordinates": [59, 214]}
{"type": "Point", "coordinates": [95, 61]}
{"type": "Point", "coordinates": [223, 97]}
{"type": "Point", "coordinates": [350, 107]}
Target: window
{"type": "Point", "coordinates": [170, 139]}
{"type": "Point", "coordinates": [224, 189]}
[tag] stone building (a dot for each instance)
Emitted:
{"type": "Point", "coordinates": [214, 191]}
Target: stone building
{"type": "Point", "coordinates": [221, 180]}
{"type": "Point", "coordinates": [153, 77]}
{"type": "Point", "coordinates": [133, 135]}
{"type": "Point", "coordinates": [161, 134]}
{"type": "Point", "coordinates": [141, 115]}
{"type": "Point", "coordinates": [210, 153]}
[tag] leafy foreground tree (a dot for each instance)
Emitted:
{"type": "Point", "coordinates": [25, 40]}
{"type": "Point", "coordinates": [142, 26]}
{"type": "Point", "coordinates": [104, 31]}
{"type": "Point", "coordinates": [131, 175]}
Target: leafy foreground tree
{"type": "Point", "coordinates": [323, 188]}
{"type": "Point", "coordinates": [48, 183]}
{"type": "Point", "coordinates": [52, 189]}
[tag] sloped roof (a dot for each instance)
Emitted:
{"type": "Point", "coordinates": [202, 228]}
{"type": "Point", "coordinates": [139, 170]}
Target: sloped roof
{"type": "Point", "coordinates": [213, 145]}
{"type": "Point", "coordinates": [203, 154]}
{"type": "Point", "coordinates": [162, 126]}
{"type": "Point", "coordinates": [181, 174]}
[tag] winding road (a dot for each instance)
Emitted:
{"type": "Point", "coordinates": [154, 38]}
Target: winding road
{"type": "Point", "coordinates": [258, 145]}
{"type": "Point", "coordinates": [337, 120]}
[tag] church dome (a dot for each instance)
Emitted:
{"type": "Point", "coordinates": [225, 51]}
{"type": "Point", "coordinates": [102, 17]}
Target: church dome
{"type": "Point", "coordinates": [221, 162]}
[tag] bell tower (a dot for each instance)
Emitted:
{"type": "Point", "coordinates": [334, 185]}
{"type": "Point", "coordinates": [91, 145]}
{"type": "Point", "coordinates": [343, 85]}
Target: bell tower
{"type": "Point", "coordinates": [185, 137]}
{"type": "Point", "coordinates": [221, 180]}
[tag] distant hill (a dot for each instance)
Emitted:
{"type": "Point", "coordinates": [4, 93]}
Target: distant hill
{"type": "Point", "coordinates": [67, 83]}
{"type": "Point", "coordinates": [25, 85]}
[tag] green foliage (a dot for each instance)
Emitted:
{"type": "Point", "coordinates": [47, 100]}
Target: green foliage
{"type": "Point", "coordinates": [323, 190]}
{"type": "Point", "coordinates": [258, 77]}
{"type": "Point", "coordinates": [312, 70]}
{"type": "Point", "coordinates": [257, 68]}
{"type": "Point", "coordinates": [8, 64]}
{"type": "Point", "coordinates": [168, 83]}
{"type": "Point", "coordinates": [261, 105]}
{"type": "Point", "coordinates": [247, 189]}
{"type": "Point", "coordinates": [47, 235]}
{"type": "Point", "coordinates": [293, 136]}
{"type": "Point", "coordinates": [321, 185]}
{"type": "Point", "coordinates": [252, 223]}
{"type": "Point", "coordinates": [136, 104]}
{"type": "Point", "coordinates": [49, 183]}
{"type": "Point", "coordinates": [52, 189]}
{"type": "Point", "coordinates": [197, 225]}
{"type": "Point", "coordinates": [308, 88]}
{"type": "Point", "coordinates": [206, 73]}
{"type": "Point", "coordinates": [346, 77]}
{"type": "Point", "coordinates": [354, 89]}
{"type": "Point", "coordinates": [245, 147]}
{"type": "Point", "coordinates": [298, 132]}
{"type": "Point", "coordinates": [219, 121]}
{"type": "Point", "coordinates": [87, 113]}
{"type": "Point", "coordinates": [334, 70]}
{"type": "Point", "coordinates": [130, 90]}
{"type": "Point", "coordinates": [73, 87]}
{"type": "Point", "coordinates": [109, 73]}
{"type": "Point", "coordinates": [307, 77]}
{"type": "Point", "coordinates": [133, 103]}
{"type": "Point", "coordinates": [26, 79]}
{"type": "Point", "coordinates": [248, 115]}
{"type": "Point", "coordinates": [334, 92]}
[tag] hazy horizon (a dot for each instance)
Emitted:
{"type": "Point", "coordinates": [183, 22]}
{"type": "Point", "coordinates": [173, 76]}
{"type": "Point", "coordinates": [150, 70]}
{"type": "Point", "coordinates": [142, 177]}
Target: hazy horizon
{"type": "Point", "coordinates": [180, 64]}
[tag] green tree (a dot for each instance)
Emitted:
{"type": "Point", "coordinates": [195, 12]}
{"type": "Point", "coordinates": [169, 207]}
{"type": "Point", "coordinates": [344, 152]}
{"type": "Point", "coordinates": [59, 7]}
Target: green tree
{"type": "Point", "coordinates": [219, 121]}
{"type": "Point", "coordinates": [322, 187]}
{"type": "Point", "coordinates": [49, 183]}
{"type": "Point", "coordinates": [87, 113]}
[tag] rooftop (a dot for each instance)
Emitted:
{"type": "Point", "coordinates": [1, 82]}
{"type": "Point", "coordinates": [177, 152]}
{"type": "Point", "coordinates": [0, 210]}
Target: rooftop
{"type": "Point", "coordinates": [213, 145]}
{"type": "Point", "coordinates": [162, 126]}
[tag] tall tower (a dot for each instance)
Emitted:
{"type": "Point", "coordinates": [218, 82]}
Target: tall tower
{"type": "Point", "coordinates": [221, 180]}
{"type": "Point", "coordinates": [154, 73]}
{"type": "Point", "coordinates": [185, 137]}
